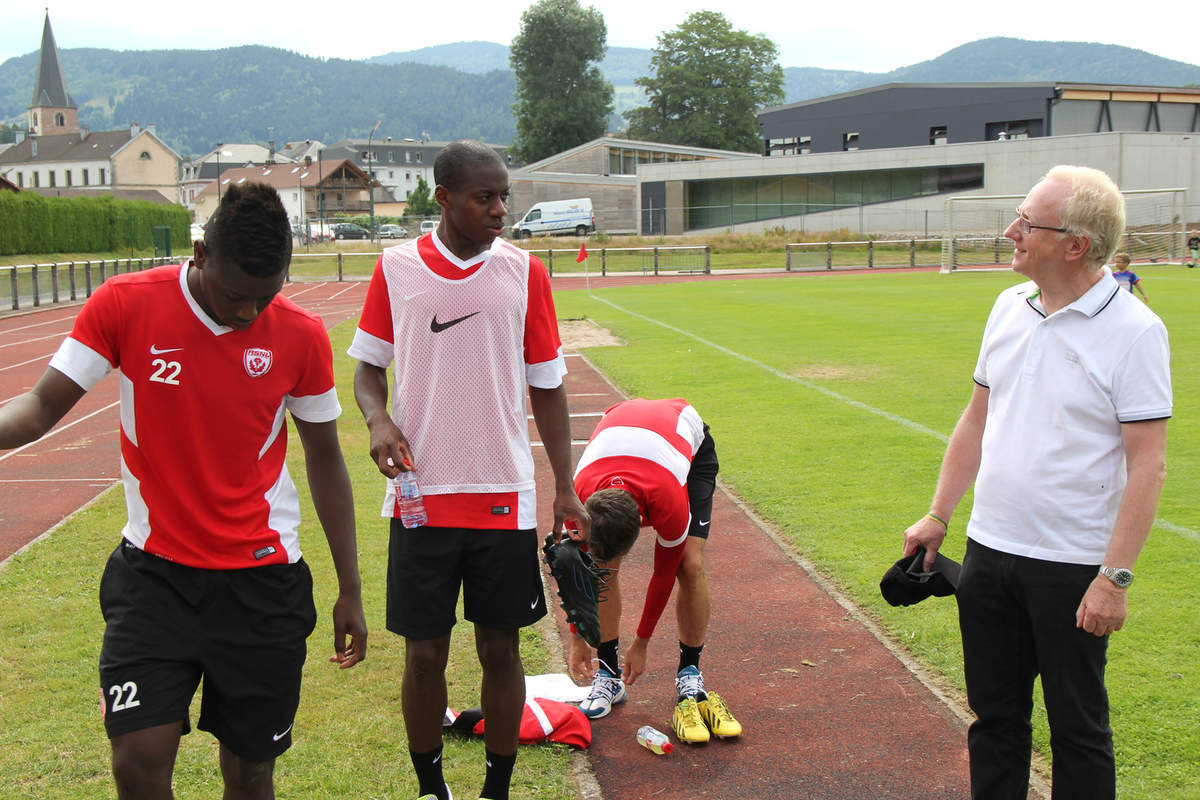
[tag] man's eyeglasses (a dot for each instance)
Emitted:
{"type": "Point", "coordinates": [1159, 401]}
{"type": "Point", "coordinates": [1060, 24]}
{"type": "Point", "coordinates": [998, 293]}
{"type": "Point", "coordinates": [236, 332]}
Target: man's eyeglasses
{"type": "Point", "coordinates": [1026, 226]}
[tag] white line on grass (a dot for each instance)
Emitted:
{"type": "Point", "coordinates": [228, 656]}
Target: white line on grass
{"type": "Point", "coordinates": [908, 423]}
{"type": "Point", "coordinates": [850, 401]}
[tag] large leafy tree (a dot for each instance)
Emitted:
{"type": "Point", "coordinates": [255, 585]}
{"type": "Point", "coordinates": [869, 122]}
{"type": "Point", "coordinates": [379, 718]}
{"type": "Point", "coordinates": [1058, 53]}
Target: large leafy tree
{"type": "Point", "coordinates": [708, 82]}
{"type": "Point", "coordinates": [562, 99]}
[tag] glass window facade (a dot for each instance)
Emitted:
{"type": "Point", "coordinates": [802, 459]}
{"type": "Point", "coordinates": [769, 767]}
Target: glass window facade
{"type": "Point", "coordinates": [725, 201]}
{"type": "Point", "coordinates": [624, 160]}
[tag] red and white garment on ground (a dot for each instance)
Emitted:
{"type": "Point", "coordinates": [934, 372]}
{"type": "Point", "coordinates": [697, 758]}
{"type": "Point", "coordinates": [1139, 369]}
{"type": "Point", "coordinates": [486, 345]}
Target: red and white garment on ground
{"type": "Point", "coordinates": [542, 720]}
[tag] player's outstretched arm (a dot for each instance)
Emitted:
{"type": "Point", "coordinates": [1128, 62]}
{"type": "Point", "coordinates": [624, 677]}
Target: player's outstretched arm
{"type": "Point", "coordinates": [30, 416]}
{"type": "Point", "coordinates": [389, 448]}
{"type": "Point", "coordinates": [329, 483]}
{"type": "Point", "coordinates": [550, 414]}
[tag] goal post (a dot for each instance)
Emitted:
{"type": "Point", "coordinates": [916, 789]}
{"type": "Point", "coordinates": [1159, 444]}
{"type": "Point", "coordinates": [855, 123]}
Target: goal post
{"type": "Point", "coordinates": [973, 228]}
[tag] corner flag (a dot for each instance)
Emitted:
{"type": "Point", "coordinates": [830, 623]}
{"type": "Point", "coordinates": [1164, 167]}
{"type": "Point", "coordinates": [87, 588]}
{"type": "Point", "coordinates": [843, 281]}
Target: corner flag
{"type": "Point", "coordinates": [582, 254]}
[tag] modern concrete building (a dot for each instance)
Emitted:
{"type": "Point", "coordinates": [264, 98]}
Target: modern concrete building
{"type": "Point", "coordinates": [899, 190]}
{"type": "Point", "coordinates": [914, 114]}
{"type": "Point", "coordinates": [605, 170]}
{"type": "Point", "coordinates": [884, 160]}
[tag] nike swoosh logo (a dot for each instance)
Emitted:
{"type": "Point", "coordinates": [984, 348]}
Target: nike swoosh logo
{"type": "Point", "coordinates": [533, 605]}
{"type": "Point", "coordinates": [279, 736]}
{"type": "Point", "coordinates": [415, 294]}
{"type": "Point", "coordinates": [154, 351]}
{"type": "Point", "coordinates": [438, 327]}
{"type": "Point", "coordinates": [702, 524]}
{"type": "Point", "coordinates": [439, 758]}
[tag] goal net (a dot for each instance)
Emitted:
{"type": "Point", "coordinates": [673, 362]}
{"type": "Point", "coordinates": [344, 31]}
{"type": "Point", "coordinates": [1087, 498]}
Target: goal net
{"type": "Point", "coordinates": [973, 233]}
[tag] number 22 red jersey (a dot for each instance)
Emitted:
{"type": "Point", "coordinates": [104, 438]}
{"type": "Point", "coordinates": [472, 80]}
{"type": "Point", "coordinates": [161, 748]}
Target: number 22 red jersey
{"type": "Point", "coordinates": [203, 431]}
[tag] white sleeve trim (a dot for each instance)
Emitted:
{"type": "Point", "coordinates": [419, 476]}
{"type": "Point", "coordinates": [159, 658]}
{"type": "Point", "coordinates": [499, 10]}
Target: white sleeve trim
{"type": "Point", "coordinates": [371, 349]}
{"type": "Point", "coordinates": [80, 363]}
{"type": "Point", "coordinates": [547, 374]}
{"type": "Point", "coordinates": [322, 407]}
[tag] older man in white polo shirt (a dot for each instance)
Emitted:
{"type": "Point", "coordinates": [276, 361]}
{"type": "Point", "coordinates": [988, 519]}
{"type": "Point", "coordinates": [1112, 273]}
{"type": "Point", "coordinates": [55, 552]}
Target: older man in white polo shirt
{"type": "Point", "coordinates": [1064, 439]}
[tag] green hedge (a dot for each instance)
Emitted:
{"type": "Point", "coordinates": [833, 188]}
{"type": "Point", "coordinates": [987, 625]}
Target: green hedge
{"type": "Point", "coordinates": [30, 223]}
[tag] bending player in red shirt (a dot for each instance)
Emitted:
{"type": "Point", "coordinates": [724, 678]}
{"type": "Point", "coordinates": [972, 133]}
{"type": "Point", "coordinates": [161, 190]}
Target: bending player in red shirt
{"type": "Point", "coordinates": [208, 581]}
{"type": "Point", "coordinates": [652, 462]}
{"type": "Point", "coordinates": [468, 320]}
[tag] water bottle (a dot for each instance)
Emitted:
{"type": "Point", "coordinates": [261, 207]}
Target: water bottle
{"type": "Point", "coordinates": [408, 499]}
{"type": "Point", "coordinates": [654, 741]}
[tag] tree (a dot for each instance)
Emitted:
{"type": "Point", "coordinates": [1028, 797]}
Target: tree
{"type": "Point", "coordinates": [562, 99]}
{"type": "Point", "coordinates": [420, 203]}
{"type": "Point", "coordinates": [709, 81]}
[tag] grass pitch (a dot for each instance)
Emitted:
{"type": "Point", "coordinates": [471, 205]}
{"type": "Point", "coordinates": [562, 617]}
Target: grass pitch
{"type": "Point", "coordinates": [831, 397]}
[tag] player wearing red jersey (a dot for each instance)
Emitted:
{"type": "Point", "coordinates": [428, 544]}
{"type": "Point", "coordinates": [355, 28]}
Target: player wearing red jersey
{"type": "Point", "coordinates": [208, 581]}
{"type": "Point", "coordinates": [469, 321]}
{"type": "Point", "coordinates": [652, 462]}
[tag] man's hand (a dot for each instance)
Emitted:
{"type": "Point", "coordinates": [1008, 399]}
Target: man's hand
{"type": "Point", "coordinates": [349, 621]}
{"type": "Point", "coordinates": [389, 447]}
{"type": "Point", "coordinates": [635, 660]}
{"type": "Point", "coordinates": [928, 533]}
{"type": "Point", "coordinates": [567, 507]}
{"type": "Point", "coordinates": [579, 660]}
{"type": "Point", "coordinates": [1103, 608]}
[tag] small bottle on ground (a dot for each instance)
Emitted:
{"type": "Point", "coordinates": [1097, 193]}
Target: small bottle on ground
{"type": "Point", "coordinates": [654, 741]}
{"type": "Point", "coordinates": [408, 499]}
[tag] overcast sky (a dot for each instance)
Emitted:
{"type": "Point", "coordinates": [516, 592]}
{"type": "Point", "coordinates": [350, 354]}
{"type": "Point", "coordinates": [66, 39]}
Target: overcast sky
{"type": "Point", "coordinates": [869, 35]}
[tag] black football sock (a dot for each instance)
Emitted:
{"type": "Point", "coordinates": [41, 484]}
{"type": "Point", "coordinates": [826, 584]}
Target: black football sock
{"type": "Point", "coordinates": [607, 655]}
{"type": "Point", "coordinates": [689, 656]}
{"type": "Point", "coordinates": [498, 776]}
{"type": "Point", "coordinates": [428, 767]}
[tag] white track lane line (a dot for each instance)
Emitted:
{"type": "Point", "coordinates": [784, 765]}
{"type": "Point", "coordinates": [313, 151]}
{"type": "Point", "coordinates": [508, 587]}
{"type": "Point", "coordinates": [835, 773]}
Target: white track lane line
{"type": "Point", "coordinates": [36, 339]}
{"type": "Point", "coordinates": [30, 361]}
{"type": "Point", "coordinates": [916, 426]}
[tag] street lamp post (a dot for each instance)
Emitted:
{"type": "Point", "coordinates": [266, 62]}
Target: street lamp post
{"type": "Point", "coordinates": [219, 146]}
{"type": "Point", "coordinates": [371, 178]}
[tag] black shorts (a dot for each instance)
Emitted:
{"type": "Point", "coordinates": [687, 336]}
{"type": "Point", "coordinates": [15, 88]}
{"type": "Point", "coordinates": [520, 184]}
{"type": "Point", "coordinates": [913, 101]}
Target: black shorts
{"type": "Point", "coordinates": [242, 630]}
{"type": "Point", "coordinates": [701, 485]}
{"type": "Point", "coordinates": [499, 572]}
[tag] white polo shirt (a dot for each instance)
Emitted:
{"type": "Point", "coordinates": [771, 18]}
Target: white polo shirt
{"type": "Point", "coordinates": [1053, 464]}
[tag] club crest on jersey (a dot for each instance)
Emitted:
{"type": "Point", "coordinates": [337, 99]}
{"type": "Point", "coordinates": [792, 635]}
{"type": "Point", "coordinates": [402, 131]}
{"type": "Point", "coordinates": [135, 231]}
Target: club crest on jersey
{"type": "Point", "coordinates": [258, 361]}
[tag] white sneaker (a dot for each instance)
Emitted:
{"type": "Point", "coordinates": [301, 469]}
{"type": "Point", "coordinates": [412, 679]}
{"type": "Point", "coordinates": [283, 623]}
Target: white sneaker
{"type": "Point", "coordinates": [607, 691]}
{"type": "Point", "coordinates": [690, 683]}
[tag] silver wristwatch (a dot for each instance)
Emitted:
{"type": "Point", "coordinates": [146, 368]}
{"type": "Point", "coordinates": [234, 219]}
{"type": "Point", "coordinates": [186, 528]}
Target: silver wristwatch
{"type": "Point", "coordinates": [1119, 575]}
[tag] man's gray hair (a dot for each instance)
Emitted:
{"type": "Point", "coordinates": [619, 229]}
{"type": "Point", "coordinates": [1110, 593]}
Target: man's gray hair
{"type": "Point", "coordinates": [1095, 209]}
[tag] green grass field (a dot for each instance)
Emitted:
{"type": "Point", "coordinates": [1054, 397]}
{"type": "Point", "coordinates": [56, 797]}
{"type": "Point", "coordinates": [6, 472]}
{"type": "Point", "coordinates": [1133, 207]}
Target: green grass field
{"type": "Point", "coordinates": [831, 397]}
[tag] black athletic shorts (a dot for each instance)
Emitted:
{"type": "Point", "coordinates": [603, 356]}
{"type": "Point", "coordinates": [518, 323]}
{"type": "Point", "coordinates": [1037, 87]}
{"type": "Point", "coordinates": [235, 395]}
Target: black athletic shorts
{"type": "Point", "coordinates": [701, 485]}
{"type": "Point", "coordinates": [242, 630]}
{"type": "Point", "coordinates": [499, 572]}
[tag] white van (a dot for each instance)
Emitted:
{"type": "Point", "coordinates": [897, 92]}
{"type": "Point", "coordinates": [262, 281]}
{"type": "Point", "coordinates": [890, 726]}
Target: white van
{"type": "Point", "coordinates": [557, 216]}
{"type": "Point", "coordinates": [428, 226]}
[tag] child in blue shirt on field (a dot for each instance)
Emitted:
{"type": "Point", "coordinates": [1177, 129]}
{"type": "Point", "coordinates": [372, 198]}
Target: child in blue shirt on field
{"type": "Point", "coordinates": [1127, 277]}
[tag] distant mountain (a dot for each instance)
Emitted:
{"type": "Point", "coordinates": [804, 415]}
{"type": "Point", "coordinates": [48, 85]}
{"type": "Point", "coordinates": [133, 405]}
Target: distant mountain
{"type": "Point", "coordinates": [1006, 60]}
{"type": "Point", "coordinates": [197, 98]}
{"type": "Point", "coordinates": [200, 97]}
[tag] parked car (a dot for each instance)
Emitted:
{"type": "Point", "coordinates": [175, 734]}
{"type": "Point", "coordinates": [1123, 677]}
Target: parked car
{"type": "Point", "coordinates": [428, 226]}
{"type": "Point", "coordinates": [348, 230]}
{"type": "Point", "coordinates": [392, 232]}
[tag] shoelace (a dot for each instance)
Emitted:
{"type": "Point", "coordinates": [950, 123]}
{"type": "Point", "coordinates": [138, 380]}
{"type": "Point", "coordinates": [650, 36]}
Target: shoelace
{"type": "Point", "coordinates": [717, 707]}
{"type": "Point", "coordinates": [604, 688]}
{"type": "Point", "coordinates": [690, 713]}
{"type": "Point", "coordinates": [689, 685]}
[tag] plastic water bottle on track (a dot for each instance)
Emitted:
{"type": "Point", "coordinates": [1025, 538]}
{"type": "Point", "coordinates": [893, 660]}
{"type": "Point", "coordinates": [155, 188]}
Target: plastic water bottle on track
{"type": "Point", "coordinates": [408, 498]}
{"type": "Point", "coordinates": [653, 740]}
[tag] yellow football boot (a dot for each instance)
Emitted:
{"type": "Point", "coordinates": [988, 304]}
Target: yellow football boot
{"type": "Point", "coordinates": [716, 716]}
{"type": "Point", "coordinates": [686, 722]}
